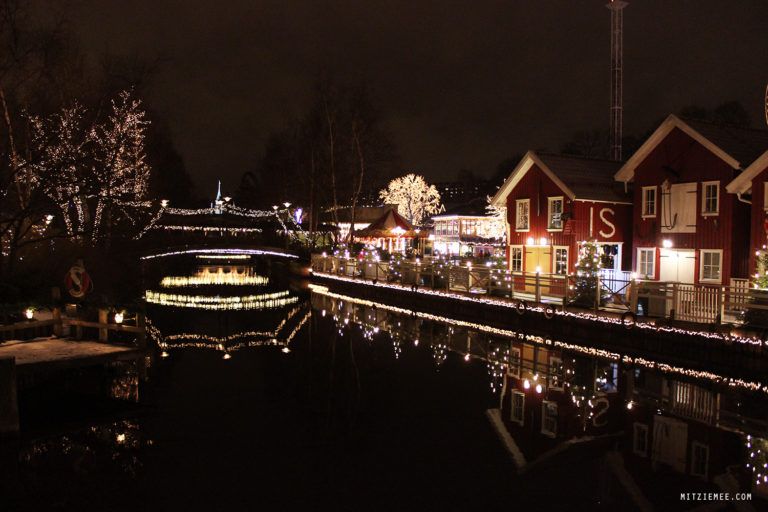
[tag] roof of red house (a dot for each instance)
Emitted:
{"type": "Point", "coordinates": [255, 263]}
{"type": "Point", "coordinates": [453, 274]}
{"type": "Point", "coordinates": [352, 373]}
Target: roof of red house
{"type": "Point", "coordinates": [581, 178]}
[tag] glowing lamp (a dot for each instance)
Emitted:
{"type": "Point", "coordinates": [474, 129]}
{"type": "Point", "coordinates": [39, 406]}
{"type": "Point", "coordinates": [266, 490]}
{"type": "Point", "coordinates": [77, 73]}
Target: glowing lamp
{"type": "Point", "coordinates": [118, 318]}
{"type": "Point", "coordinates": [667, 243]}
{"type": "Point", "coordinates": [164, 203]}
{"type": "Point", "coordinates": [29, 314]}
{"type": "Point", "coordinates": [629, 405]}
{"type": "Point", "coordinates": [286, 350]}
{"type": "Point", "coordinates": [527, 384]}
{"type": "Point", "coordinates": [538, 270]}
{"type": "Point", "coordinates": [415, 343]}
{"type": "Point", "coordinates": [530, 241]}
{"type": "Point", "coordinates": [164, 354]}
{"type": "Point", "coordinates": [466, 357]}
{"type": "Point", "coordinates": [543, 241]}
{"type": "Point", "coordinates": [227, 356]}
{"type": "Point", "coordinates": [538, 388]}
{"type": "Point", "coordinates": [634, 275]}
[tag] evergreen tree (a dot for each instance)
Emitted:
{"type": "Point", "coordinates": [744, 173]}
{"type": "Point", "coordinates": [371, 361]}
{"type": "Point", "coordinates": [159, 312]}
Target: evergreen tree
{"type": "Point", "coordinates": [587, 271]}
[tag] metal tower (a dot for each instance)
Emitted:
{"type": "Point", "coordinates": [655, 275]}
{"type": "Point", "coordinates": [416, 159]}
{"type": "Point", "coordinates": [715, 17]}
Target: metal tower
{"type": "Point", "coordinates": [617, 94]}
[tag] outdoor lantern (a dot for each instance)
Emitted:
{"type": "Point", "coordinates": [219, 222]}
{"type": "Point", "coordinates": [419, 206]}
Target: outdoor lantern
{"type": "Point", "coordinates": [667, 243]}
{"type": "Point", "coordinates": [118, 318]}
{"type": "Point", "coordinates": [29, 314]}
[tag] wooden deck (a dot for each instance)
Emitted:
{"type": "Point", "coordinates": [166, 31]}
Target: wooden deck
{"type": "Point", "coordinates": [55, 353]}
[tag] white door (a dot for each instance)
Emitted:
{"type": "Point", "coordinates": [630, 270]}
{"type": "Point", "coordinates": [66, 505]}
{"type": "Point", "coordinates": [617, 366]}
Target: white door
{"type": "Point", "coordinates": [670, 442]}
{"type": "Point", "coordinates": [677, 266]}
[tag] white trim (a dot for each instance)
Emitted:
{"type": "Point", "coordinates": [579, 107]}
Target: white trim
{"type": "Point", "coordinates": [511, 259]}
{"type": "Point", "coordinates": [627, 171]}
{"type": "Point", "coordinates": [641, 275]}
{"type": "Point", "coordinates": [655, 202]}
{"type": "Point", "coordinates": [694, 444]}
{"type": "Point", "coordinates": [530, 158]}
{"type": "Point", "coordinates": [704, 185]}
{"type": "Point", "coordinates": [521, 420]}
{"type": "Point", "coordinates": [517, 215]}
{"type": "Point", "coordinates": [743, 182]}
{"type": "Point", "coordinates": [518, 367]}
{"type": "Point", "coordinates": [641, 426]}
{"type": "Point", "coordinates": [701, 266]}
{"type": "Point", "coordinates": [600, 201]}
{"type": "Point", "coordinates": [561, 377]}
{"type": "Point", "coordinates": [550, 200]}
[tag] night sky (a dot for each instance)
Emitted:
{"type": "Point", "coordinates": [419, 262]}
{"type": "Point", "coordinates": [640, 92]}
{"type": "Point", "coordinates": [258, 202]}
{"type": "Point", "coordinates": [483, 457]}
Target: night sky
{"type": "Point", "coordinates": [462, 84]}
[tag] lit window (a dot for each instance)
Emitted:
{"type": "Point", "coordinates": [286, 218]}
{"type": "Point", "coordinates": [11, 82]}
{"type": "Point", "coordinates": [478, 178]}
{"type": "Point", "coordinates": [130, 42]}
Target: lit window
{"type": "Point", "coordinates": [516, 259]}
{"type": "Point", "coordinates": [561, 260]}
{"type": "Point", "coordinates": [556, 373]}
{"type": "Point", "coordinates": [514, 362]}
{"type": "Point", "coordinates": [549, 418]}
{"type": "Point", "coordinates": [709, 198]}
{"type": "Point", "coordinates": [555, 213]}
{"type": "Point", "coordinates": [646, 259]}
{"type": "Point", "coordinates": [523, 222]}
{"type": "Point", "coordinates": [711, 264]}
{"type": "Point", "coordinates": [649, 201]}
{"type": "Point", "coordinates": [640, 440]}
{"type": "Point", "coordinates": [517, 407]}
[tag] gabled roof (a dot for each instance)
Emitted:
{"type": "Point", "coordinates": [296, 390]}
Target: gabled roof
{"type": "Point", "coordinates": [363, 214]}
{"type": "Point", "coordinates": [743, 182]}
{"type": "Point", "coordinates": [384, 226]}
{"type": "Point", "coordinates": [578, 177]}
{"type": "Point", "coordinates": [736, 146]}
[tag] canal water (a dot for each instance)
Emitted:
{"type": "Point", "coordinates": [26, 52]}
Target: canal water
{"type": "Point", "coordinates": [268, 395]}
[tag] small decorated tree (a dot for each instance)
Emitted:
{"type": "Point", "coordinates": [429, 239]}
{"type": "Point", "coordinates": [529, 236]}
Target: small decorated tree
{"type": "Point", "coordinates": [755, 312]}
{"type": "Point", "coordinates": [587, 271]}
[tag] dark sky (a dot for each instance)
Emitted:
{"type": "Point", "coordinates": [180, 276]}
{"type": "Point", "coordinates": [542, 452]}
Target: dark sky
{"type": "Point", "coordinates": [462, 84]}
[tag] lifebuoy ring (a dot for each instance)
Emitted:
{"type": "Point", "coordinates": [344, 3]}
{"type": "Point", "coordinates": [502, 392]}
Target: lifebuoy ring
{"type": "Point", "coordinates": [521, 307]}
{"type": "Point", "coordinates": [624, 322]}
{"type": "Point", "coordinates": [549, 311]}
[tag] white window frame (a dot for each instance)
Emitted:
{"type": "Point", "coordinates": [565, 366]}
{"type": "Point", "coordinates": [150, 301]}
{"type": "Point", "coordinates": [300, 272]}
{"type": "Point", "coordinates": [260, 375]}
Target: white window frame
{"type": "Point", "coordinates": [521, 396]}
{"type": "Point", "coordinates": [515, 367]}
{"type": "Point", "coordinates": [527, 227]}
{"type": "Point", "coordinates": [554, 258]}
{"type": "Point", "coordinates": [694, 445]}
{"type": "Point", "coordinates": [550, 201]}
{"type": "Point", "coordinates": [512, 248]}
{"type": "Point", "coordinates": [644, 201]}
{"type": "Point", "coordinates": [719, 252]}
{"type": "Point", "coordinates": [544, 430]}
{"type": "Point", "coordinates": [765, 196]}
{"type": "Point", "coordinates": [553, 361]}
{"type": "Point", "coordinates": [640, 428]}
{"type": "Point", "coordinates": [704, 185]}
{"type": "Point", "coordinates": [640, 274]}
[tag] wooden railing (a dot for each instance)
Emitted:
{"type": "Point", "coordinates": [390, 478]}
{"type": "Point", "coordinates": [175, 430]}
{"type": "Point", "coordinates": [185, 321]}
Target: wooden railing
{"type": "Point", "coordinates": [697, 303]}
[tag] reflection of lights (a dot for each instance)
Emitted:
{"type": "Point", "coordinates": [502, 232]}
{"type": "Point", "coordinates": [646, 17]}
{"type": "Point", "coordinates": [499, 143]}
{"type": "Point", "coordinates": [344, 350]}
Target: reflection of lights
{"type": "Point", "coordinates": [213, 302]}
{"type": "Point", "coordinates": [29, 314]}
{"type": "Point", "coordinates": [213, 279]}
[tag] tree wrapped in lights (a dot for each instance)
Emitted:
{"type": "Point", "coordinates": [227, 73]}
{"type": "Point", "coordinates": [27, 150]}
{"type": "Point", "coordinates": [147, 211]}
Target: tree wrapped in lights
{"type": "Point", "coordinates": [587, 275]}
{"type": "Point", "coordinates": [758, 316]}
{"type": "Point", "coordinates": [415, 199]}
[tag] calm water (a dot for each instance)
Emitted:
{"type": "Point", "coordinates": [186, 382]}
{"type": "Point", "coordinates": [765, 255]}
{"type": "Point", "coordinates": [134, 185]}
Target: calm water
{"type": "Point", "coordinates": [325, 403]}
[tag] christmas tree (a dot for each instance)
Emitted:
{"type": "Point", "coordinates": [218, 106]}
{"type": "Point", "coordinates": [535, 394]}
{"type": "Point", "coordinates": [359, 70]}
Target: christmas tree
{"type": "Point", "coordinates": [587, 271]}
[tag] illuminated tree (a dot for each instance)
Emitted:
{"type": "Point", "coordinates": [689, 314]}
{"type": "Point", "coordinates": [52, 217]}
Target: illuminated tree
{"type": "Point", "coordinates": [587, 272]}
{"type": "Point", "coordinates": [415, 199]}
{"type": "Point", "coordinates": [499, 213]}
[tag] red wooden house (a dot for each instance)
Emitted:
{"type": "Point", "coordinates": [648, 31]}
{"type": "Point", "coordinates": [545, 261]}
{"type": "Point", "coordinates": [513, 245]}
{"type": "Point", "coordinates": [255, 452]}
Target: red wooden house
{"type": "Point", "coordinates": [554, 202]}
{"type": "Point", "coordinates": [687, 229]}
{"type": "Point", "coordinates": [752, 185]}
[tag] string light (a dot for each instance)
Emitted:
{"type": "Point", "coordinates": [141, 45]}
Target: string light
{"type": "Point", "coordinates": [217, 303]}
{"type": "Point", "coordinates": [254, 252]}
{"type": "Point", "coordinates": [203, 279]}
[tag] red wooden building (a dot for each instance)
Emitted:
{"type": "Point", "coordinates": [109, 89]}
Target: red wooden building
{"type": "Point", "coordinates": [752, 185]}
{"type": "Point", "coordinates": [687, 229]}
{"type": "Point", "coordinates": [554, 202]}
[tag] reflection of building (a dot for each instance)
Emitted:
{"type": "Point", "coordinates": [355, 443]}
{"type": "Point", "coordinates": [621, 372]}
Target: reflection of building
{"type": "Point", "coordinates": [687, 228]}
{"type": "Point", "coordinates": [465, 230]}
{"type": "Point", "coordinates": [554, 203]}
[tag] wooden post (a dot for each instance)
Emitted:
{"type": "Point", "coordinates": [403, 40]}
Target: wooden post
{"type": "Point", "coordinates": [674, 301]}
{"type": "Point", "coordinates": [565, 292]}
{"type": "Point", "coordinates": [9, 405]}
{"type": "Point", "coordinates": [538, 286]}
{"type": "Point", "coordinates": [598, 293]}
{"type": "Point", "coordinates": [633, 290]}
{"type": "Point", "coordinates": [103, 331]}
{"type": "Point", "coordinates": [720, 306]}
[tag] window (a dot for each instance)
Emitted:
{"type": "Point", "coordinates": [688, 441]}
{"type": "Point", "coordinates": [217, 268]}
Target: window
{"type": "Point", "coordinates": [549, 418]}
{"type": "Point", "coordinates": [646, 261]}
{"type": "Point", "coordinates": [514, 362]}
{"type": "Point", "coordinates": [523, 207]}
{"type": "Point", "coordinates": [556, 373]}
{"type": "Point", "coordinates": [516, 258]}
{"type": "Point", "coordinates": [517, 407]}
{"type": "Point", "coordinates": [711, 264]}
{"type": "Point", "coordinates": [649, 202]}
{"type": "Point", "coordinates": [640, 440]}
{"type": "Point", "coordinates": [561, 261]}
{"type": "Point", "coordinates": [555, 212]}
{"type": "Point", "coordinates": [709, 197]}
{"type": "Point", "coordinates": [699, 459]}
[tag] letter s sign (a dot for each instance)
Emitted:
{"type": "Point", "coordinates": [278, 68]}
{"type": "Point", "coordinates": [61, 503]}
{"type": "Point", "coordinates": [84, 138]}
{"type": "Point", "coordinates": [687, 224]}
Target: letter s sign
{"type": "Point", "coordinates": [607, 223]}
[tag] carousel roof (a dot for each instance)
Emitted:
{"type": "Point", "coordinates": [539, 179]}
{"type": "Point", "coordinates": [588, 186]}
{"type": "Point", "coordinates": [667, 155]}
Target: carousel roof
{"type": "Point", "coordinates": [390, 225]}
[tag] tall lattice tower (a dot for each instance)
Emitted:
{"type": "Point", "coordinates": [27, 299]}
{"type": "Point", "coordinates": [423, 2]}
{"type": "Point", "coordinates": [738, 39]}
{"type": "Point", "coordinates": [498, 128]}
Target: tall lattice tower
{"type": "Point", "coordinates": [617, 93]}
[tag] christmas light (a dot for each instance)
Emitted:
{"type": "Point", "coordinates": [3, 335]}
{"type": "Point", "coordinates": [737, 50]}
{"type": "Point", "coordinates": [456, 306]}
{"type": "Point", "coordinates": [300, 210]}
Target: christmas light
{"type": "Point", "coordinates": [262, 301]}
{"type": "Point", "coordinates": [203, 279]}
{"type": "Point", "coordinates": [207, 252]}
{"type": "Point", "coordinates": [29, 314]}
